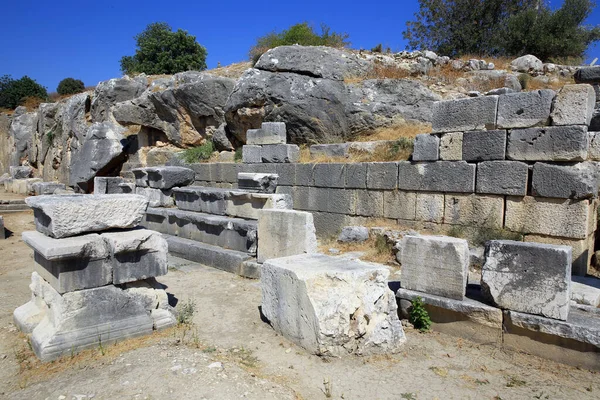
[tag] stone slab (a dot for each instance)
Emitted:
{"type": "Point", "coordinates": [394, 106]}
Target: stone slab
{"type": "Point", "coordinates": [382, 175]}
{"type": "Point", "coordinates": [41, 188]}
{"type": "Point", "coordinates": [269, 133]}
{"type": "Point", "coordinates": [577, 181]}
{"type": "Point", "coordinates": [426, 148]}
{"type": "Point", "coordinates": [106, 184]}
{"type": "Point", "coordinates": [356, 175]}
{"type": "Point", "coordinates": [90, 246]}
{"type": "Point", "coordinates": [435, 264]}
{"type": "Point", "coordinates": [474, 210]}
{"type": "Point", "coordinates": [440, 176]}
{"type": "Point", "coordinates": [532, 278]}
{"type": "Point", "coordinates": [585, 290]}
{"type": "Point", "coordinates": [371, 203]}
{"type": "Point", "coordinates": [399, 204]}
{"type": "Point", "coordinates": [484, 145]}
{"type": "Point", "coordinates": [285, 233]}
{"type": "Point", "coordinates": [502, 177]}
{"type": "Point", "coordinates": [525, 109]}
{"type": "Point", "coordinates": [465, 114]}
{"type": "Point", "coordinates": [257, 182]}
{"type": "Point", "coordinates": [451, 146]}
{"type": "Point", "coordinates": [574, 105]}
{"type": "Point", "coordinates": [169, 177]}
{"type": "Point", "coordinates": [582, 250]}
{"type": "Point", "coordinates": [331, 306]}
{"type": "Point", "coordinates": [67, 215]}
{"type": "Point", "coordinates": [553, 143]}
{"type": "Point", "coordinates": [330, 175]}
{"type": "Point", "coordinates": [156, 197]}
{"type": "Point", "coordinates": [280, 153]}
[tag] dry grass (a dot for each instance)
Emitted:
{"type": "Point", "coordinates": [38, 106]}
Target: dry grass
{"type": "Point", "coordinates": [234, 71]}
{"type": "Point", "coordinates": [380, 71]}
{"type": "Point", "coordinates": [32, 103]}
{"type": "Point", "coordinates": [554, 84]}
{"type": "Point", "coordinates": [499, 62]}
{"type": "Point", "coordinates": [376, 249]}
{"type": "Point", "coordinates": [395, 132]}
{"type": "Point", "coordinates": [447, 75]}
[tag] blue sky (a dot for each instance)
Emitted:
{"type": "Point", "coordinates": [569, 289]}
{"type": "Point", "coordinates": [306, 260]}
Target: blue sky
{"type": "Point", "coordinates": [49, 41]}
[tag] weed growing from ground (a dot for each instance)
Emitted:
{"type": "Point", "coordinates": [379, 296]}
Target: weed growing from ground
{"type": "Point", "coordinates": [186, 312]}
{"type": "Point", "coordinates": [199, 153]}
{"type": "Point", "coordinates": [419, 316]}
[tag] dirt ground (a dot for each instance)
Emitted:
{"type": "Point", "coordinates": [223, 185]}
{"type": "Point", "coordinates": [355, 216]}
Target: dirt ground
{"type": "Point", "coordinates": [229, 353]}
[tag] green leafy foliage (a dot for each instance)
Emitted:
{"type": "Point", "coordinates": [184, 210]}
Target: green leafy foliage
{"type": "Point", "coordinates": [302, 34]}
{"type": "Point", "coordinates": [418, 315]}
{"type": "Point", "coordinates": [14, 92]}
{"type": "Point", "coordinates": [162, 51]}
{"type": "Point", "coordinates": [199, 153]}
{"type": "Point", "coordinates": [502, 28]}
{"type": "Point", "coordinates": [70, 86]}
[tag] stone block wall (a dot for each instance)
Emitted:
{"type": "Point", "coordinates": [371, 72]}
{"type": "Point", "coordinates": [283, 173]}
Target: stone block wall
{"type": "Point", "coordinates": [524, 162]}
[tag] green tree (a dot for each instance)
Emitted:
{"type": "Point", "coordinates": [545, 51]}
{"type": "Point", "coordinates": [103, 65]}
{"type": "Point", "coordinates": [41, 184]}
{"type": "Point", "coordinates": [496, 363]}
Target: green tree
{"type": "Point", "coordinates": [70, 86]}
{"type": "Point", "coordinates": [13, 92]}
{"type": "Point", "coordinates": [459, 27]}
{"type": "Point", "coordinates": [162, 51]}
{"type": "Point", "coordinates": [552, 35]}
{"type": "Point", "coordinates": [302, 34]}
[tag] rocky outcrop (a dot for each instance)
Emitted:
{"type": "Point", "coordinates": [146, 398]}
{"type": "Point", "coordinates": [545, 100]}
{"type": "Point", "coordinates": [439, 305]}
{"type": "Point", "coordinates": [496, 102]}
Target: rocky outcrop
{"type": "Point", "coordinates": [21, 129]}
{"type": "Point", "coordinates": [113, 91]}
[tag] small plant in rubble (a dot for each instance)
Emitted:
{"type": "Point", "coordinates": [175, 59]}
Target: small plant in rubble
{"type": "Point", "coordinates": [419, 317]}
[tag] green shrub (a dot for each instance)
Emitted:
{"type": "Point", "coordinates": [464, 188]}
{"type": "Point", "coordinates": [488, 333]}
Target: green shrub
{"type": "Point", "coordinates": [70, 86]}
{"type": "Point", "coordinates": [238, 154]}
{"type": "Point", "coordinates": [199, 153]}
{"type": "Point", "coordinates": [14, 92]}
{"type": "Point", "coordinates": [419, 317]}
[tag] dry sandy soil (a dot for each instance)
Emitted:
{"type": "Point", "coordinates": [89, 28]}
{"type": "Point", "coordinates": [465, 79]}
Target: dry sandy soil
{"type": "Point", "coordinates": [229, 353]}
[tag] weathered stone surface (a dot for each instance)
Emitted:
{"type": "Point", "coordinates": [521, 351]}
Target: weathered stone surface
{"type": "Point", "coordinates": [332, 150]}
{"type": "Point", "coordinates": [62, 216]}
{"type": "Point", "coordinates": [474, 210]}
{"type": "Point", "coordinates": [578, 181]}
{"type": "Point", "coordinates": [331, 306]}
{"type": "Point", "coordinates": [465, 114]}
{"type": "Point", "coordinates": [107, 185]}
{"type": "Point", "coordinates": [110, 92]}
{"type": "Point", "coordinates": [585, 290]}
{"type": "Point", "coordinates": [502, 177]}
{"type": "Point", "coordinates": [262, 183]}
{"type": "Point", "coordinates": [141, 177]}
{"type": "Point", "coordinates": [21, 172]}
{"type": "Point", "coordinates": [354, 234]}
{"type": "Point", "coordinates": [84, 246]}
{"type": "Point", "coordinates": [426, 148]}
{"type": "Point", "coordinates": [556, 143]}
{"type": "Point", "coordinates": [587, 75]}
{"type": "Point", "coordinates": [525, 109]}
{"type": "Point", "coordinates": [441, 176]}
{"type": "Point", "coordinates": [169, 177]}
{"type": "Point", "coordinates": [285, 233]}
{"type": "Point", "coordinates": [399, 204]}
{"type": "Point", "coordinates": [528, 277]}
{"type": "Point", "coordinates": [581, 250]}
{"type": "Point", "coordinates": [594, 152]}
{"type": "Point", "coordinates": [41, 188]}
{"type": "Point", "coordinates": [23, 126]}
{"type": "Point", "coordinates": [269, 133]}
{"type": "Point", "coordinates": [331, 175]}
{"type": "Point", "coordinates": [574, 105]}
{"type": "Point", "coordinates": [100, 151]}
{"type": "Point", "coordinates": [484, 145]}
{"type": "Point", "coordinates": [451, 146]}
{"type": "Point", "coordinates": [382, 175]}
{"type": "Point", "coordinates": [527, 63]}
{"type": "Point", "coordinates": [552, 217]}
{"type": "Point", "coordinates": [251, 154]}
{"type": "Point", "coordinates": [435, 265]}
{"type": "Point", "coordinates": [430, 207]}
{"type": "Point", "coordinates": [369, 203]}
{"type": "Point", "coordinates": [280, 153]}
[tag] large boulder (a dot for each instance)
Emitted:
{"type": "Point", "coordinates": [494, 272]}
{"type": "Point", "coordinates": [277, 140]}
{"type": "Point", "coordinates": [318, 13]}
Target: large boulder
{"type": "Point", "coordinates": [305, 88]}
{"type": "Point", "coordinates": [186, 113]}
{"type": "Point", "coordinates": [113, 91]}
{"type": "Point", "coordinates": [22, 129]}
{"type": "Point", "coordinates": [527, 63]}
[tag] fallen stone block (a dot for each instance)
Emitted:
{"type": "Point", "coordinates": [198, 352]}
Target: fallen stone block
{"type": "Point", "coordinates": [435, 264]}
{"type": "Point", "coordinates": [426, 148]}
{"type": "Point", "coordinates": [474, 210]}
{"type": "Point", "coordinates": [354, 234]}
{"type": "Point", "coordinates": [451, 146]}
{"type": "Point", "coordinates": [525, 109]}
{"type": "Point", "coordinates": [141, 177]}
{"type": "Point", "coordinates": [532, 278]}
{"type": "Point", "coordinates": [261, 183]}
{"type": "Point", "coordinates": [578, 181]}
{"type": "Point", "coordinates": [280, 153]}
{"type": "Point", "coordinates": [61, 216]}
{"type": "Point", "coordinates": [465, 114]}
{"type": "Point", "coordinates": [169, 177]}
{"type": "Point", "coordinates": [331, 306]}
{"type": "Point", "coordinates": [585, 290]}
{"type": "Point", "coordinates": [440, 176]}
{"type": "Point", "coordinates": [285, 233]}
{"type": "Point", "coordinates": [42, 188]}
{"type": "Point", "coordinates": [156, 197]}
{"type": "Point", "coordinates": [20, 172]}
{"type": "Point", "coordinates": [553, 143]}
{"type": "Point", "coordinates": [502, 177]}
{"type": "Point", "coordinates": [484, 145]}
{"type": "Point", "coordinates": [574, 105]}
{"type": "Point", "coordinates": [269, 133]}
{"type": "Point", "coordinates": [552, 217]}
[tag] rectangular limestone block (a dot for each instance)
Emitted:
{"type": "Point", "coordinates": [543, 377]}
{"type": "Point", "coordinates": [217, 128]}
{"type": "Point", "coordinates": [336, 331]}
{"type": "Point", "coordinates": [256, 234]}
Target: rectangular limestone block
{"type": "Point", "coordinates": [286, 174]}
{"type": "Point", "coordinates": [553, 143]}
{"type": "Point", "coordinates": [552, 217]}
{"type": "Point", "coordinates": [169, 177]}
{"type": "Point", "coordinates": [502, 177]}
{"type": "Point", "coordinates": [382, 175]}
{"type": "Point", "coordinates": [426, 148]}
{"type": "Point", "coordinates": [594, 152]}
{"type": "Point", "coordinates": [430, 207]}
{"type": "Point", "coordinates": [525, 109]}
{"type": "Point", "coordinates": [280, 153]}
{"type": "Point", "coordinates": [156, 197]}
{"type": "Point", "coordinates": [106, 185]}
{"type": "Point", "coordinates": [41, 188]}
{"type": "Point", "coordinates": [257, 182]}
{"type": "Point", "coordinates": [68, 215]}
{"type": "Point", "coordinates": [251, 154]}
{"type": "Point", "coordinates": [356, 176]}
{"type": "Point", "coordinates": [285, 233]}
{"type": "Point", "coordinates": [202, 171]}
{"type": "Point", "coordinates": [370, 203]}
{"type": "Point", "coordinates": [269, 133]}
{"type": "Point", "coordinates": [484, 145]}
{"type": "Point", "coordinates": [581, 250]}
{"type": "Point", "coordinates": [331, 306]}
{"type": "Point", "coordinates": [574, 105]}
{"type": "Point", "coordinates": [532, 278]}
{"type": "Point", "coordinates": [440, 176]}
{"type": "Point", "coordinates": [474, 210]}
{"type": "Point", "coordinates": [451, 146]}
{"type": "Point", "coordinates": [304, 174]}
{"type": "Point", "coordinates": [578, 181]}
{"type": "Point", "coordinates": [465, 114]}
{"type": "Point", "coordinates": [436, 265]}
{"type": "Point", "coordinates": [332, 175]}
{"type": "Point", "coordinates": [585, 290]}
{"type": "Point", "coordinates": [399, 204]}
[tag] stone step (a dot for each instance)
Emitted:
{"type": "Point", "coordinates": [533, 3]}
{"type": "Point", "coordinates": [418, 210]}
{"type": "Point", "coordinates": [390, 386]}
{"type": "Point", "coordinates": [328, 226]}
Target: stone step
{"type": "Point", "coordinates": [235, 203]}
{"type": "Point", "coordinates": [212, 256]}
{"type": "Point", "coordinates": [226, 232]}
{"type": "Point", "coordinates": [12, 201]}
{"type": "Point", "coordinates": [14, 207]}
